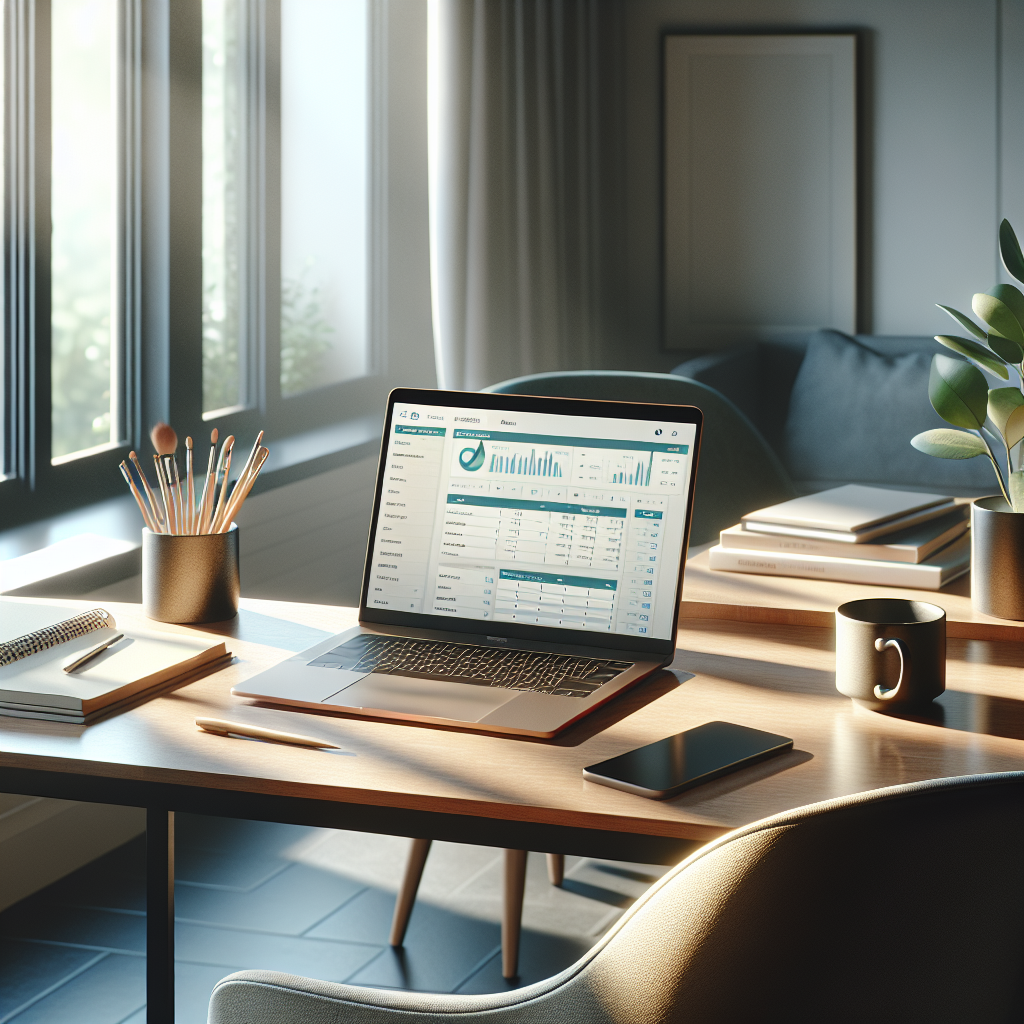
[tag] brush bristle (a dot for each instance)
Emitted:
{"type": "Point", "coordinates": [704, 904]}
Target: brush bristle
{"type": "Point", "coordinates": [214, 434]}
{"type": "Point", "coordinates": [164, 439]}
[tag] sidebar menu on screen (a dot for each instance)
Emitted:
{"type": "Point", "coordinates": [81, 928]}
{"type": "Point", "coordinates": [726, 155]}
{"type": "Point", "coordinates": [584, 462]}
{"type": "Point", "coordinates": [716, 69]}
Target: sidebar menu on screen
{"type": "Point", "coordinates": [405, 525]}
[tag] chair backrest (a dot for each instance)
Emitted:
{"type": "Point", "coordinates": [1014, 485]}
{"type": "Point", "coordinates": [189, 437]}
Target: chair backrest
{"type": "Point", "coordinates": [738, 471]}
{"type": "Point", "coordinates": [904, 904]}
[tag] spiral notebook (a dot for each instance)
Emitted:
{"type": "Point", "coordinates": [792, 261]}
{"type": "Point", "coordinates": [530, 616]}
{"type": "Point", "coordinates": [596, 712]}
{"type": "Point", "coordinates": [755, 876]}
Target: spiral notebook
{"type": "Point", "coordinates": [38, 640]}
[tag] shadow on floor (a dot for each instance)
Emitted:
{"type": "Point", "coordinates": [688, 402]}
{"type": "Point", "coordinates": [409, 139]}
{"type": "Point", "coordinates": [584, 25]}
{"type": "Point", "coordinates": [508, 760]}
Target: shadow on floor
{"type": "Point", "coordinates": [301, 900]}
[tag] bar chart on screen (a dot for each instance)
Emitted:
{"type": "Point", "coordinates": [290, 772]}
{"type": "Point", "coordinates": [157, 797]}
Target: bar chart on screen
{"type": "Point", "coordinates": [646, 470]}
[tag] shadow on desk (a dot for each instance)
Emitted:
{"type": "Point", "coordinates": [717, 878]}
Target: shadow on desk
{"type": "Point", "coordinates": [973, 712]}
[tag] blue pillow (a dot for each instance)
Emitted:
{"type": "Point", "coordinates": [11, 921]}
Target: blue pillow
{"type": "Point", "coordinates": [852, 414]}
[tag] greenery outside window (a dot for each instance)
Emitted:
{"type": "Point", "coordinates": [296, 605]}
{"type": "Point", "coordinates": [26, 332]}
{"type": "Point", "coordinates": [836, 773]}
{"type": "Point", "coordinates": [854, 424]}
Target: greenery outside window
{"type": "Point", "coordinates": [215, 215]}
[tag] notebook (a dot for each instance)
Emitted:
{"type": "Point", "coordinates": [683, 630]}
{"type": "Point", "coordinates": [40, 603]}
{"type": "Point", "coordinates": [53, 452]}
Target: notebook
{"type": "Point", "coordinates": [36, 685]}
{"type": "Point", "coordinates": [524, 564]}
{"type": "Point", "coordinates": [853, 513]}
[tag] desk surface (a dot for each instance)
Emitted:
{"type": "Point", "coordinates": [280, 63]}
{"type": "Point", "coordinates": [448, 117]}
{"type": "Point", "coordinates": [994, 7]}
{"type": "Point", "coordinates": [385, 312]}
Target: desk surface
{"type": "Point", "coordinates": [748, 597]}
{"type": "Point", "coordinates": [405, 778]}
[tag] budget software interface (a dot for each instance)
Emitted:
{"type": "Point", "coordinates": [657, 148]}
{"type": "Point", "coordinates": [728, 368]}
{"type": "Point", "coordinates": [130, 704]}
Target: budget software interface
{"type": "Point", "coordinates": [564, 521]}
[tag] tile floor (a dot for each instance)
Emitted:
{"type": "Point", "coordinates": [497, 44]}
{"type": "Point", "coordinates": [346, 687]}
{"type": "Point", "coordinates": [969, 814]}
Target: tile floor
{"type": "Point", "coordinates": [303, 900]}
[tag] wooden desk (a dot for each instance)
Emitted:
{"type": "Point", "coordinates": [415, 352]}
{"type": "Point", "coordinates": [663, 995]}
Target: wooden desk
{"type": "Point", "coordinates": [447, 784]}
{"type": "Point", "coordinates": [748, 597]}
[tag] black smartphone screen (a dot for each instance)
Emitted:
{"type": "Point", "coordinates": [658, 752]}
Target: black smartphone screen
{"type": "Point", "coordinates": [676, 763]}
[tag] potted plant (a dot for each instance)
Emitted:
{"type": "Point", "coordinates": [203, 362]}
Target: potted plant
{"type": "Point", "coordinates": [993, 425]}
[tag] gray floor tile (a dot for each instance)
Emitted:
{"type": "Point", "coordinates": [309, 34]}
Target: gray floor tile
{"type": "Point", "coordinates": [288, 904]}
{"type": "Point", "coordinates": [193, 984]}
{"type": "Point", "coordinates": [232, 853]}
{"type": "Point", "coordinates": [100, 929]}
{"type": "Point", "coordinates": [29, 968]}
{"type": "Point", "coordinates": [540, 956]}
{"type": "Point", "coordinates": [116, 880]}
{"type": "Point", "coordinates": [106, 993]}
{"type": "Point", "coordinates": [240, 950]}
{"type": "Point", "coordinates": [441, 949]}
{"type": "Point", "coordinates": [572, 910]}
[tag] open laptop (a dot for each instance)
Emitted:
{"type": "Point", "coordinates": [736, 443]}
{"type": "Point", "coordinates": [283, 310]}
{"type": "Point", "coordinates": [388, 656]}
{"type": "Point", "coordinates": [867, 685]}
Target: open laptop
{"type": "Point", "coordinates": [524, 565]}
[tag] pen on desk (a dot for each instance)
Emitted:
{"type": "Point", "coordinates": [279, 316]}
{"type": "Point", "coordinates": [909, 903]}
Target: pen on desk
{"type": "Point", "coordinates": [223, 728]}
{"type": "Point", "coordinates": [92, 652]}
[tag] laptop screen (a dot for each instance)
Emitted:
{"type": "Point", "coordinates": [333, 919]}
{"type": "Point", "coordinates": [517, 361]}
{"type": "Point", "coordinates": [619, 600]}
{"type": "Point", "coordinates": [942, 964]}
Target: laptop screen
{"type": "Point", "coordinates": [497, 518]}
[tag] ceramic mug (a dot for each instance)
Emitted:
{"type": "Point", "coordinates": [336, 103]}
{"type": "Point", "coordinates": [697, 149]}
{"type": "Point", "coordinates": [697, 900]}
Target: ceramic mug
{"type": "Point", "coordinates": [890, 653]}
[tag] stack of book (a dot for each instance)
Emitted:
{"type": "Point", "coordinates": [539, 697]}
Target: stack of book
{"type": "Point", "coordinates": [853, 534]}
{"type": "Point", "coordinates": [64, 665]}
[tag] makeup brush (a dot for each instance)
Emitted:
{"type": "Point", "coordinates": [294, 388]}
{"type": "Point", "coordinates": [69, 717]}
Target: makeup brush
{"type": "Point", "coordinates": [242, 489]}
{"type": "Point", "coordinates": [155, 513]}
{"type": "Point", "coordinates": [225, 459]}
{"type": "Point", "coordinates": [165, 493]}
{"type": "Point", "coordinates": [126, 473]}
{"type": "Point", "coordinates": [164, 439]}
{"type": "Point", "coordinates": [190, 489]}
{"type": "Point", "coordinates": [201, 519]}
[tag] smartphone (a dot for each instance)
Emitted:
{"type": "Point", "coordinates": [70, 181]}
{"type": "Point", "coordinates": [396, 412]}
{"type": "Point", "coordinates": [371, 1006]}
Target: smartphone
{"type": "Point", "coordinates": [677, 763]}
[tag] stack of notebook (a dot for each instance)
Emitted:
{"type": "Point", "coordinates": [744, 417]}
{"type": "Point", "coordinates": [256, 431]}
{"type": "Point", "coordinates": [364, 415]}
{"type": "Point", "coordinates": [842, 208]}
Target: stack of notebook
{"type": "Point", "coordinates": [853, 534]}
{"type": "Point", "coordinates": [38, 641]}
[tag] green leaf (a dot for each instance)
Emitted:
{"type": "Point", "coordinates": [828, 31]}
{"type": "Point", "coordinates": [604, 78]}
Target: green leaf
{"type": "Point", "coordinates": [1009, 249]}
{"type": "Point", "coordinates": [964, 321]}
{"type": "Point", "coordinates": [999, 316]}
{"type": "Point", "coordinates": [1017, 491]}
{"type": "Point", "coordinates": [1013, 432]}
{"type": "Point", "coordinates": [1001, 403]}
{"type": "Point", "coordinates": [944, 443]}
{"type": "Point", "coordinates": [958, 392]}
{"type": "Point", "coordinates": [976, 353]}
{"type": "Point", "coordinates": [1006, 349]}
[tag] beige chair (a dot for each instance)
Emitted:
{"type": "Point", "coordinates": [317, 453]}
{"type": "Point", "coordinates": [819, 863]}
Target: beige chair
{"type": "Point", "coordinates": [904, 904]}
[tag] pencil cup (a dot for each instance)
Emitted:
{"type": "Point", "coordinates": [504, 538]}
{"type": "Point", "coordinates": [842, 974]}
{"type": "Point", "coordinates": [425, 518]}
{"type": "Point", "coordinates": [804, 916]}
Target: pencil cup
{"type": "Point", "coordinates": [190, 579]}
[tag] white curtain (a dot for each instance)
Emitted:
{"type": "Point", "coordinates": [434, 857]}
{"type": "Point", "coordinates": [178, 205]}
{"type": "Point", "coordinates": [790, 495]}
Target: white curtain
{"type": "Point", "coordinates": [515, 184]}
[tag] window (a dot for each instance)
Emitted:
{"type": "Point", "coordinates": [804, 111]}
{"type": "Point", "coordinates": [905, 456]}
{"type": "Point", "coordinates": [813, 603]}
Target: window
{"type": "Point", "coordinates": [85, 375]}
{"type": "Point", "coordinates": [208, 184]}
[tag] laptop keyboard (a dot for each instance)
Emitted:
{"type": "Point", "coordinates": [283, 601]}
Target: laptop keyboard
{"type": "Point", "coordinates": [559, 674]}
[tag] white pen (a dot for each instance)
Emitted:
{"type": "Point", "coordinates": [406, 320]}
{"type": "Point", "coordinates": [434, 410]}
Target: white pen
{"type": "Point", "coordinates": [92, 652]}
{"type": "Point", "coordinates": [222, 728]}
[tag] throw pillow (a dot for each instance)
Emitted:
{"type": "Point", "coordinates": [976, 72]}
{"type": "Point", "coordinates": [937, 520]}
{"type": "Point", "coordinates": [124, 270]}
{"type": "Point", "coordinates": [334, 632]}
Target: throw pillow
{"type": "Point", "coordinates": [853, 412]}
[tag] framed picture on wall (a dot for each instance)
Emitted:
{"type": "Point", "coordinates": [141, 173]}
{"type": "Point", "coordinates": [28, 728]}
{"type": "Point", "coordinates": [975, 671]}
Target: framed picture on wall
{"type": "Point", "coordinates": [759, 187]}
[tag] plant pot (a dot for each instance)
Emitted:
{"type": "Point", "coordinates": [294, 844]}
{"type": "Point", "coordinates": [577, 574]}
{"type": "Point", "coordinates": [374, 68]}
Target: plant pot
{"type": "Point", "coordinates": [997, 558]}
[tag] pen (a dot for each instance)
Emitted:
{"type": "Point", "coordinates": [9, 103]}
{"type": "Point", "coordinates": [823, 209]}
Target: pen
{"type": "Point", "coordinates": [222, 728]}
{"type": "Point", "coordinates": [92, 652]}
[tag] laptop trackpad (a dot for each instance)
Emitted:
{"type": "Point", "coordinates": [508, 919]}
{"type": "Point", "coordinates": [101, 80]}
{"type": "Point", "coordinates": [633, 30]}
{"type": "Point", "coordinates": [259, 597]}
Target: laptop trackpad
{"type": "Point", "coordinates": [432, 698]}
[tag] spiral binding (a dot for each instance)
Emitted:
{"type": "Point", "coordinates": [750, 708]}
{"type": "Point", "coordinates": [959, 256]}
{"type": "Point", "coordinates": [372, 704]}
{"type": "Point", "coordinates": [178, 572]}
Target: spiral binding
{"type": "Point", "coordinates": [51, 636]}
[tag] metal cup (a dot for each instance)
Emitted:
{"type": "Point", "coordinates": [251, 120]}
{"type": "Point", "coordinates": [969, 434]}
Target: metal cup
{"type": "Point", "coordinates": [190, 579]}
{"type": "Point", "coordinates": [890, 653]}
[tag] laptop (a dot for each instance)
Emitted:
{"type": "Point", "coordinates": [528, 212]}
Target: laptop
{"type": "Point", "coordinates": [524, 565]}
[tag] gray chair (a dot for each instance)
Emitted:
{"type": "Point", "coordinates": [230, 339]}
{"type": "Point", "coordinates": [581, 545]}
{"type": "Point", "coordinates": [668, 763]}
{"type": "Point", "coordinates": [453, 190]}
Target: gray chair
{"type": "Point", "coordinates": [738, 470]}
{"type": "Point", "coordinates": [738, 473]}
{"type": "Point", "coordinates": [903, 904]}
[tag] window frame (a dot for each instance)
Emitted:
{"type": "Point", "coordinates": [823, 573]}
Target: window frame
{"type": "Point", "coordinates": [158, 316]}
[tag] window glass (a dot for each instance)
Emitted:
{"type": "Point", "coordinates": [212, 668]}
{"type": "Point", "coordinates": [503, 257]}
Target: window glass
{"type": "Point", "coordinates": [323, 193]}
{"type": "Point", "coordinates": [85, 367]}
{"type": "Point", "coordinates": [223, 353]}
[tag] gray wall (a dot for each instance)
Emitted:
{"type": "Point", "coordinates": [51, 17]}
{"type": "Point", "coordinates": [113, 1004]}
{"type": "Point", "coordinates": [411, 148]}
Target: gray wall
{"type": "Point", "coordinates": [941, 153]}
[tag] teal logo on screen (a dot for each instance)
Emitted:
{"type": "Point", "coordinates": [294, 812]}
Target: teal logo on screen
{"type": "Point", "coordinates": [471, 459]}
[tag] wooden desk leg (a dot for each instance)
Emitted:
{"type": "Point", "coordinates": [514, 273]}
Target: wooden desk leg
{"type": "Point", "coordinates": [512, 918]}
{"type": "Point", "coordinates": [159, 916]}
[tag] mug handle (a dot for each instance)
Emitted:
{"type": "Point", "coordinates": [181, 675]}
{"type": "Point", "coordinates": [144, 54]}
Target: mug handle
{"type": "Point", "coordinates": [881, 645]}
